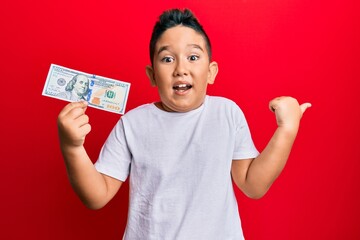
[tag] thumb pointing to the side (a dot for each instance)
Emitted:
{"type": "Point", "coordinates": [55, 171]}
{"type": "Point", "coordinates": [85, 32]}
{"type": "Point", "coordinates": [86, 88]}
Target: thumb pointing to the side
{"type": "Point", "coordinates": [304, 106]}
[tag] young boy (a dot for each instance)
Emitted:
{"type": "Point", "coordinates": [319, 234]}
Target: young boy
{"type": "Point", "coordinates": [182, 152]}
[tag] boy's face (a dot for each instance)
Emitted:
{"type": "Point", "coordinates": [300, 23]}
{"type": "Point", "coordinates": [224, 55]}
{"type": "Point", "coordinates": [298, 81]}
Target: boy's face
{"type": "Point", "coordinates": [181, 69]}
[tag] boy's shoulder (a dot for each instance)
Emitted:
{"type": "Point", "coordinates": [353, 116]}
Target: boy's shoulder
{"type": "Point", "coordinates": [222, 105]}
{"type": "Point", "coordinates": [221, 101]}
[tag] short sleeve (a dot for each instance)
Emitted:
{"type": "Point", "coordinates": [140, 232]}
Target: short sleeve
{"type": "Point", "coordinates": [244, 145]}
{"type": "Point", "coordinates": [115, 158]}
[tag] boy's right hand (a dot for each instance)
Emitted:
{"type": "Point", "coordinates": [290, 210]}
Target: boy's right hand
{"type": "Point", "coordinates": [73, 124]}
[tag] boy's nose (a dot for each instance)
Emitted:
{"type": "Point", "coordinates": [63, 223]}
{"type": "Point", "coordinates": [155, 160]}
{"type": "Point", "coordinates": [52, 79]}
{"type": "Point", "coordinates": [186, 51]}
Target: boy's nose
{"type": "Point", "coordinates": [180, 69]}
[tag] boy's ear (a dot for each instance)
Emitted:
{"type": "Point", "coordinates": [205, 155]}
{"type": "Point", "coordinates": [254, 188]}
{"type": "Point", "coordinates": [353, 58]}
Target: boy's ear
{"type": "Point", "coordinates": [213, 71]}
{"type": "Point", "coordinates": [150, 74]}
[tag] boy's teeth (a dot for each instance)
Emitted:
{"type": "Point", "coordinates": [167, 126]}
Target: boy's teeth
{"type": "Point", "coordinates": [182, 87]}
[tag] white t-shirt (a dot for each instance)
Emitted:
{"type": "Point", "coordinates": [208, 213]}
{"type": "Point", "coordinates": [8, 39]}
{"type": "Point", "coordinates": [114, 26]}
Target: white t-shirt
{"type": "Point", "coordinates": [179, 166]}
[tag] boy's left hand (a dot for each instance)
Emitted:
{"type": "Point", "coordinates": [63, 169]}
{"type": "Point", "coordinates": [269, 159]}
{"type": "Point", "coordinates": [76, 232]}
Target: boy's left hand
{"type": "Point", "coordinates": [288, 112]}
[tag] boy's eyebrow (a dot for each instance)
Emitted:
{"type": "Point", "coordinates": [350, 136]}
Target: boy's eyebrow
{"type": "Point", "coordinates": [166, 47]}
{"type": "Point", "coordinates": [196, 46]}
{"type": "Point", "coordinates": [163, 48]}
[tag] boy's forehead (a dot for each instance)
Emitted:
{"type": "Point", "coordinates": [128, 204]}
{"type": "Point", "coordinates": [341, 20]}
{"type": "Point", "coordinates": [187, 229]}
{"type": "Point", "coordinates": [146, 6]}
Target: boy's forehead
{"type": "Point", "coordinates": [180, 35]}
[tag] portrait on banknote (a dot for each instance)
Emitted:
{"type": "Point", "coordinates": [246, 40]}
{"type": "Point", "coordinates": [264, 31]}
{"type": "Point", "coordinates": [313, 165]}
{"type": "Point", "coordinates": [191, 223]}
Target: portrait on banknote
{"type": "Point", "coordinates": [76, 89]}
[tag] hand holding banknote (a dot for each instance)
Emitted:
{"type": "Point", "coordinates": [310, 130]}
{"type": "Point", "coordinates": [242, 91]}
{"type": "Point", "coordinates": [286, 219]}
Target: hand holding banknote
{"type": "Point", "coordinates": [73, 124]}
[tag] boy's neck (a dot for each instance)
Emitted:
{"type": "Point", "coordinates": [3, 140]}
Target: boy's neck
{"type": "Point", "coordinates": [160, 105]}
{"type": "Point", "coordinates": [163, 107]}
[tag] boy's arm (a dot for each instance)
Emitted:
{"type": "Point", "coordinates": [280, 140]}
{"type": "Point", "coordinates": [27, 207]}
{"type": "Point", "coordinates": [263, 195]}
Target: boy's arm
{"type": "Point", "coordinates": [93, 188]}
{"type": "Point", "coordinates": [255, 176]}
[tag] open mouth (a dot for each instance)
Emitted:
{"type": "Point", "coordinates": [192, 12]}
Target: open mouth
{"type": "Point", "coordinates": [182, 87]}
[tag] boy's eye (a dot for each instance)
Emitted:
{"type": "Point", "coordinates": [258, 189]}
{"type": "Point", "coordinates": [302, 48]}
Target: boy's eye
{"type": "Point", "coordinates": [167, 59]}
{"type": "Point", "coordinates": [193, 57]}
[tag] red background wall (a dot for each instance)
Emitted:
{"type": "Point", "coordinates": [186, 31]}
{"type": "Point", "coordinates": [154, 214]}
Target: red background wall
{"type": "Point", "coordinates": [306, 49]}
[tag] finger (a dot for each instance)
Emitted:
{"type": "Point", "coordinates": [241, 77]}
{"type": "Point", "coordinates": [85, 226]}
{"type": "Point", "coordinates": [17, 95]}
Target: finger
{"type": "Point", "coordinates": [273, 104]}
{"type": "Point", "coordinates": [280, 102]}
{"type": "Point", "coordinates": [74, 114]}
{"type": "Point", "coordinates": [82, 120]}
{"type": "Point", "coordinates": [73, 105]}
{"type": "Point", "coordinates": [304, 106]}
{"type": "Point", "coordinates": [85, 129]}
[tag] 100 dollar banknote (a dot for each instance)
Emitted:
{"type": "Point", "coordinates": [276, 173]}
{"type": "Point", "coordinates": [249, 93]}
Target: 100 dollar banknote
{"type": "Point", "coordinates": [100, 92]}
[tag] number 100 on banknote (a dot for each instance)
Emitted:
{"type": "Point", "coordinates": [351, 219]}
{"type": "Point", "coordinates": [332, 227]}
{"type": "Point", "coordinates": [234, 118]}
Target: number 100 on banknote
{"type": "Point", "coordinates": [100, 92]}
